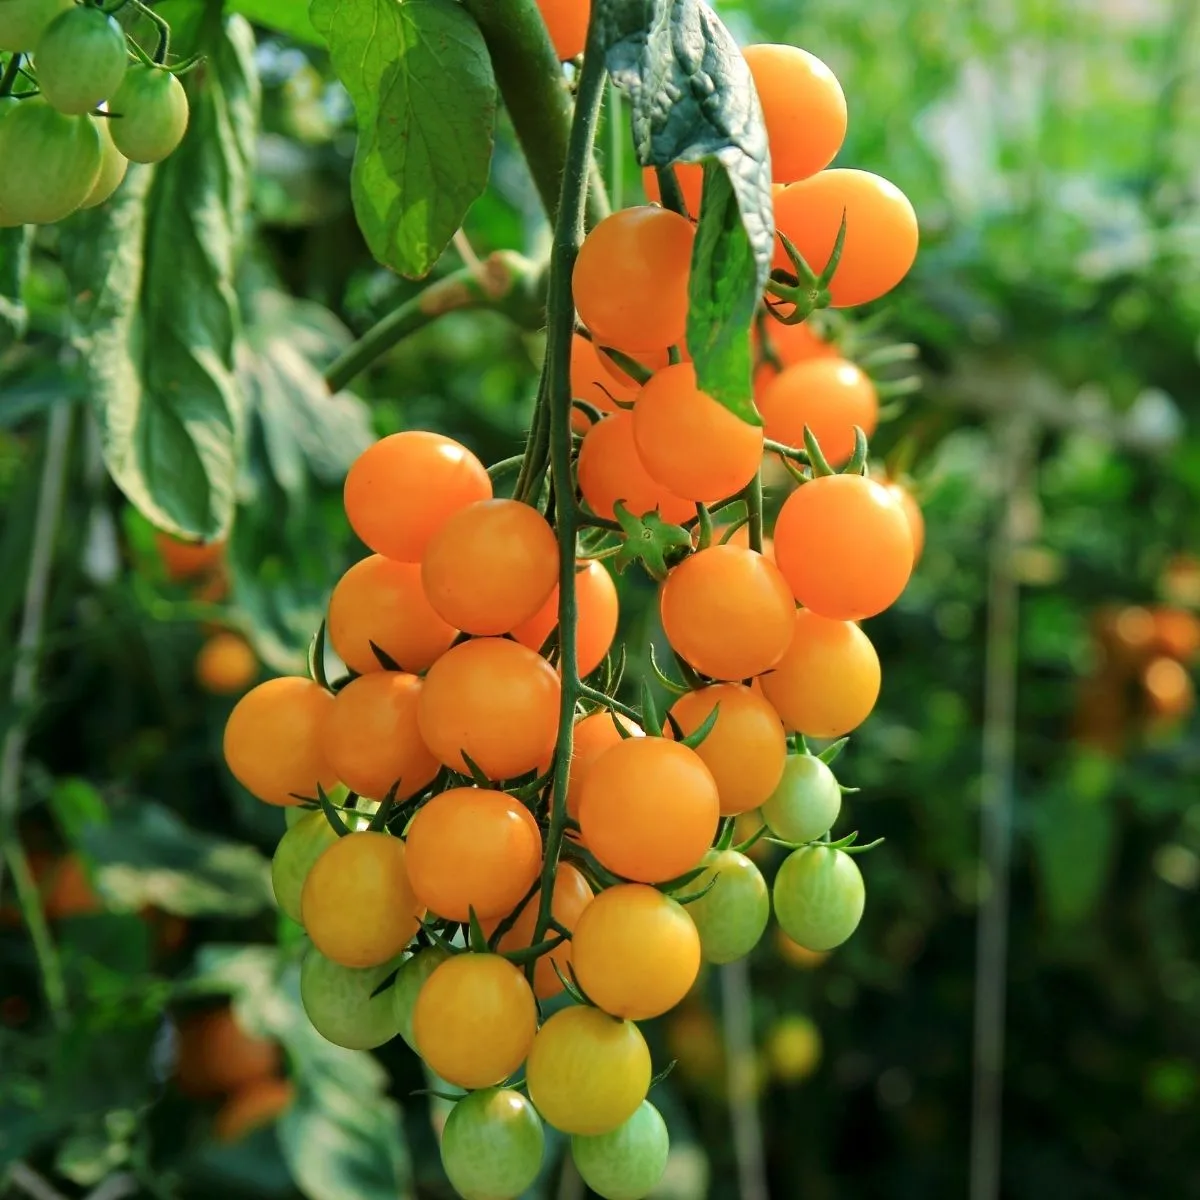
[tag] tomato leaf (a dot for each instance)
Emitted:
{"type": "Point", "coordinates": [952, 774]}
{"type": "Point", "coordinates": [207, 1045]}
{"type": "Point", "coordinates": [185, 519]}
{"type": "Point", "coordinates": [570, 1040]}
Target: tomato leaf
{"type": "Point", "coordinates": [425, 99]}
{"type": "Point", "coordinates": [14, 262]}
{"type": "Point", "coordinates": [693, 100]}
{"type": "Point", "coordinates": [158, 353]}
{"type": "Point", "coordinates": [283, 16]}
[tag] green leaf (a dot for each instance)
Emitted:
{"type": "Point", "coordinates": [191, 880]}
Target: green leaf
{"type": "Point", "coordinates": [14, 262]}
{"type": "Point", "coordinates": [693, 100]}
{"type": "Point", "coordinates": [283, 16]}
{"type": "Point", "coordinates": [425, 100]}
{"type": "Point", "coordinates": [159, 355]}
{"type": "Point", "coordinates": [145, 855]}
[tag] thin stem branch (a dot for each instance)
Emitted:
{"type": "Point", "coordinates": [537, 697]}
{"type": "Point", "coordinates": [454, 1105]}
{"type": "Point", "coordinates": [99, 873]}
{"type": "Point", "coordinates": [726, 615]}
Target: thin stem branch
{"type": "Point", "coordinates": [754, 510]}
{"type": "Point", "coordinates": [568, 236]}
{"type": "Point", "coordinates": [10, 74]}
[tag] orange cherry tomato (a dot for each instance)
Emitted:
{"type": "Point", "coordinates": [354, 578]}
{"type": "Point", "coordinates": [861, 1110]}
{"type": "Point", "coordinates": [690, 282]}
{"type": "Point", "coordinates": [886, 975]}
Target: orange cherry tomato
{"type": "Point", "coordinates": [593, 734]}
{"type": "Point", "coordinates": [727, 611]}
{"type": "Point", "coordinates": [382, 601]}
{"type": "Point", "coordinates": [1176, 633]}
{"type": "Point", "coordinates": [648, 809]}
{"type": "Point", "coordinates": [474, 1020]}
{"type": "Point", "coordinates": [828, 681]}
{"type": "Point", "coordinates": [741, 537]}
{"type": "Point", "coordinates": [250, 1108]}
{"type": "Point", "coordinates": [1169, 689]}
{"type": "Point", "coordinates": [594, 380]}
{"type": "Point", "coordinates": [371, 739]}
{"type": "Point", "coordinates": [690, 177]}
{"type": "Point", "coordinates": [491, 566]}
{"type": "Point", "coordinates": [688, 442]}
{"type": "Point", "coordinates": [804, 109]}
{"type": "Point", "coordinates": [572, 894]}
{"type": "Point", "coordinates": [881, 232]}
{"type": "Point", "coordinates": [830, 396]}
{"type": "Point", "coordinates": [843, 544]}
{"type": "Point", "coordinates": [495, 700]}
{"type": "Point", "coordinates": [631, 279]}
{"type": "Point", "coordinates": [745, 750]}
{"type": "Point", "coordinates": [186, 560]}
{"type": "Point", "coordinates": [596, 614]}
{"type": "Point", "coordinates": [400, 491]}
{"type": "Point", "coordinates": [217, 1056]}
{"type": "Point", "coordinates": [567, 24]}
{"type": "Point", "coordinates": [610, 469]}
{"type": "Point", "coordinates": [791, 344]}
{"type": "Point", "coordinates": [651, 360]}
{"type": "Point", "coordinates": [272, 740]}
{"type": "Point", "coordinates": [916, 519]}
{"type": "Point", "coordinates": [358, 906]}
{"type": "Point", "coordinates": [635, 952]}
{"type": "Point", "coordinates": [473, 848]}
{"type": "Point", "coordinates": [226, 664]}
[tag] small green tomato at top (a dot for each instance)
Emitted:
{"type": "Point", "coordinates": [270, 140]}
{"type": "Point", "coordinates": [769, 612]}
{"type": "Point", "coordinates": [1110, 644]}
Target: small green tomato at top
{"type": "Point", "coordinates": [732, 915]}
{"type": "Point", "coordinates": [150, 114]}
{"type": "Point", "coordinates": [628, 1162]}
{"type": "Point", "coordinates": [492, 1145]}
{"type": "Point", "coordinates": [819, 897]}
{"type": "Point", "coordinates": [80, 60]}
{"type": "Point", "coordinates": [807, 801]}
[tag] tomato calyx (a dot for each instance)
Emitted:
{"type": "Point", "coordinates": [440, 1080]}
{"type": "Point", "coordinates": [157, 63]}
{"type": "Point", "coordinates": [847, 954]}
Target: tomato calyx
{"type": "Point", "coordinates": [649, 540]}
{"type": "Point", "coordinates": [805, 291]}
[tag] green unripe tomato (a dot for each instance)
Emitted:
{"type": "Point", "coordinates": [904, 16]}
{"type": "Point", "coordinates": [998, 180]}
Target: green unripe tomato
{"type": "Point", "coordinates": [150, 114]}
{"type": "Point", "coordinates": [807, 801]}
{"type": "Point", "coordinates": [67, 152]}
{"type": "Point", "coordinates": [298, 849]}
{"type": "Point", "coordinates": [113, 165]}
{"type": "Point", "coordinates": [22, 22]}
{"type": "Point", "coordinates": [628, 1162]}
{"type": "Point", "coordinates": [80, 60]}
{"type": "Point", "coordinates": [409, 982]}
{"type": "Point", "coordinates": [492, 1145]}
{"type": "Point", "coordinates": [732, 915]}
{"type": "Point", "coordinates": [819, 897]}
{"type": "Point", "coordinates": [341, 1005]}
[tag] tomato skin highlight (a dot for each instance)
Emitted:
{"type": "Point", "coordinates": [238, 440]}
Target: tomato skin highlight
{"type": "Point", "coordinates": [80, 60]}
{"type": "Point", "coordinates": [272, 740]}
{"type": "Point", "coordinates": [402, 490]}
{"type": "Point", "coordinates": [828, 681]}
{"type": "Point", "coordinates": [472, 848]}
{"type": "Point", "coordinates": [648, 809]}
{"type": "Point", "coordinates": [587, 1072]}
{"type": "Point", "coordinates": [153, 113]}
{"type": "Point", "coordinates": [819, 897]}
{"type": "Point", "coordinates": [475, 1020]}
{"type": "Point", "coordinates": [68, 153]}
{"type": "Point", "coordinates": [635, 951]}
{"type": "Point", "coordinates": [491, 566]}
{"type": "Point", "coordinates": [492, 1145]}
{"type": "Point", "coordinates": [844, 545]}
{"type": "Point", "coordinates": [596, 616]}
{"type": "Point", "coordinates": [628, 1162]}
{"type": "Point", "coordinates": [495, 700]}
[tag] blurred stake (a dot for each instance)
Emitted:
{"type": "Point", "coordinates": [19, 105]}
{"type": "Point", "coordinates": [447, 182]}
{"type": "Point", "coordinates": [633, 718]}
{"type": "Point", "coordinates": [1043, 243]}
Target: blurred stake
{"type": "Point", "coordinates": [737, 1018]}
{"type": "Point", "coordinates": [1016, 451]}
{"type": "Point", "coordinates": [24, 684]}
{"type": "Point", "coordinates": [26, 1179]}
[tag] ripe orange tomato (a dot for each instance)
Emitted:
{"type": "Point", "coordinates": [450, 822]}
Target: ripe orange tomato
{"type": "Point", "coordinates": [567, 23]}
{"type": "Point", "coordinates": [572, 895]}
{"type": "Point", "coordinates": [596, 614]}
{"type": "Point", "coordinates": [727, 611]}
{"type": "Point", "coordinates": [1169, 688]}
{"type": "Point", "coordinates": [651, 360]}
{"type": "Point", "coordinates": [913, 514]}
{"type": "Point", "coordinates": [593, 734]}
{"type": "Point", "coordinates": [688, 442]}
{"type": "Point", "coordinates": [226, 664]}
{"type": "Point", "coordinates": [691, 183]}
{"type": "Point", "coordinates": [792, 344]}
{"type": "Point", "coordinates": [587, 1072]}
{"type": "Point", "coordinates": [358, 906]}
{"type": "Point", "coordinates": [217, 1056]}
{"type": "Point", "coordinates": [828, 681]}
{"type": "Point", "coordinates": [830, 396]}
{"type": "Point", "coordinates": [474, 1020]}
{"type": "Point", "coordinates": [745, 750]}
{"type": "Point", "coordinates": [844, 546]}
{"type": "Point", "coordinates": [635, 951]}
{"type": "Point", "coordinates": [881, 232]}
{"type": "Point", "coordinates": [631, 279]}
{"type": "Point", "coordinates": [593, 380]}
{"type": "Point", "coordinates": [186, 560]}
{"type": "Point", "coordinates": [382, 601]}
{"type": "Point", "coordinates": [803, 106]}
{"type": "Point", "coordinates": [648, 809]}
{"type": "Point", "coordinates": [473, 848]}
{"type": "Point", "coordinates": [741, 537]}
{"type": "Point", "coordinates": [1177, 633]}
{"type": "Point", "coordinates": [495, 700]}
{"type": "Point", "coordinates": [272, 740]}
{"type": "Point", "coordinates": [491, 566]}
{"type": "Point", "coordinates": [610, 469]}
{"type": "Point", "coordinates": [371, 739]}
{"type": "Point", "coordinates": [400, 491]}
{"type": "Point", "coordinates": [252, 1107]}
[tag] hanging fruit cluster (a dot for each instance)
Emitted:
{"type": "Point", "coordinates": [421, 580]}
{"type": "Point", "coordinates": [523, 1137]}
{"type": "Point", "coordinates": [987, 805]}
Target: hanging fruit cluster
{"type": "Point", "coordinates": [88, 103]}
{"type": "Point", "coordinates": [489, 825]}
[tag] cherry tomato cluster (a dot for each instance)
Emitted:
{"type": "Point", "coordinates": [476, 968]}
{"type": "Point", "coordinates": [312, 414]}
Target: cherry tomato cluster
{"type": "Point", "coordinates": [94, 110]}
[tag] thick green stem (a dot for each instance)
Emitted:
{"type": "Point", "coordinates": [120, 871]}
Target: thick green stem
{"type": "Point", "coordinates": [568, 235]}
{"type": "Point", "coordinates": [10, 75]}
{"type": "Point", "coordinates": [536, 97]}
{"type": "Point", "coordinates": [505, 282]}
{"type": "Point", "coordinates": [754, 507]}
